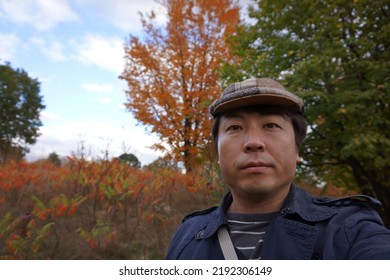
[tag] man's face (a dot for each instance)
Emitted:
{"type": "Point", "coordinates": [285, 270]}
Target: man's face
{"type": "Point", "coordinates": [257, 153]}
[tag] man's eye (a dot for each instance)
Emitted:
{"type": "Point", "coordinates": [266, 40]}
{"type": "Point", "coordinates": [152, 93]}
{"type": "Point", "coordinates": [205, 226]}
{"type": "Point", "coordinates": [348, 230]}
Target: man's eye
{"type": "Point", "coordinates": [271, 126]}
{"type": "Point", "coordinates": [233, 128]}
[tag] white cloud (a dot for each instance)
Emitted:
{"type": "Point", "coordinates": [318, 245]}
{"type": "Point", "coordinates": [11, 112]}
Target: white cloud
{"type": "Point", "coordinates": [105, 89]}
{"type": "Point", "coordinates": [8, 46]}
{"type": "Point", "coordinates": [104, 52]}
{"type": "Point", "coordinates": [41, 14]}
{"type": "Point", "coordinates": [95, 87]}
{"type": "Point", "coordinates": [54, 50]}
{"type": "Point", "coordinates": [48, 116]}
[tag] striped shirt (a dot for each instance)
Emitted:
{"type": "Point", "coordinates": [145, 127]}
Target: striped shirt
{"type": "Point", "coordinates": [247, 231]}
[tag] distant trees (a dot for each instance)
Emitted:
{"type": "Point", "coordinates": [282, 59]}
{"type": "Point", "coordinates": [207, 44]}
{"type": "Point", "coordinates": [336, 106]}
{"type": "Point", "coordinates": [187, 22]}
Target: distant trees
{"type": "Point", "coordinates": [20, 107]}
{"type": "Point", "coordinates": [162, 163]}
{"type": "Point", "coordinates": [130, 159]}
{"type": "Point", "coordinates": [336, 55]}
{"type": "Point", "coordinates": [54, 158]}
{"type": "Point", "coordinates": [171, 74]}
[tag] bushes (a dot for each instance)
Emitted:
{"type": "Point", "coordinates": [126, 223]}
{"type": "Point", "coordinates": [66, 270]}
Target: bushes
{"type": "Point", "coordinates": [94, 209]}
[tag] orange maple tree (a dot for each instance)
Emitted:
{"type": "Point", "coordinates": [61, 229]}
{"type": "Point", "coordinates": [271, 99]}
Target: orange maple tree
{"type": "Point", "coordinates": [171, 73]}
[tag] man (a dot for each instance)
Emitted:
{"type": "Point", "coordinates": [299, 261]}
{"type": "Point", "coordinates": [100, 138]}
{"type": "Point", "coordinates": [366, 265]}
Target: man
{"type": "Point", "coordinates": [258, 129]}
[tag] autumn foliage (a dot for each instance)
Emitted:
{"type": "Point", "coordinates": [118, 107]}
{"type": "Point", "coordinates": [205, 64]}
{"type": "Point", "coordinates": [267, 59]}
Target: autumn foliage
{"type": "Point", "coordinates": [94, 209]}
{"type": "Point", "coordinates": [171, 73]}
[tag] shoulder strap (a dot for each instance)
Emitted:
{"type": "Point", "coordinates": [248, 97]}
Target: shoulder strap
{"type": "Point", "coordinates": [226, 244]}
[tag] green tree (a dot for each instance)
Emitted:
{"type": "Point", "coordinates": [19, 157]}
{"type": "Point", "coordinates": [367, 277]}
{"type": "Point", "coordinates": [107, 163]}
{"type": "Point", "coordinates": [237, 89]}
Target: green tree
{"type": "Point", "coordinates": [130, 159]}
{"type": "Point", "coordinates": [20, 107]}
{"type": "Point", "coordinates": [336, 55]}
{"type": "Point", "coordinates": [54, 158]}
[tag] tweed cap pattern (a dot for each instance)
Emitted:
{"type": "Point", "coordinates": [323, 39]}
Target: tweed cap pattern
{"type": "Point", "coordinates": [256, 91]}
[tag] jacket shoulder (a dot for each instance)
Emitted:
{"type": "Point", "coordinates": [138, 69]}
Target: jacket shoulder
{"type": "Point", "coordinates": [191, 229]}
{"type": "Point", "coordinates": [199, 213]}
{"type": "Point", "coordinates": [318, 208]}
{"type": "Point", "coordinates": [362, 200]}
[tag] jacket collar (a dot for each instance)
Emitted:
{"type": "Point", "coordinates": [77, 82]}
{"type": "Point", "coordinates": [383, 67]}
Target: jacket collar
{"type": "Point", "coordinates": [298, 202]}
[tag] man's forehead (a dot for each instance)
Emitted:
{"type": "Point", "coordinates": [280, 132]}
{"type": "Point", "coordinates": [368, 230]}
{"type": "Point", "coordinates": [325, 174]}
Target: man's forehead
{"type": "Point", "coordinates": [259, 110]}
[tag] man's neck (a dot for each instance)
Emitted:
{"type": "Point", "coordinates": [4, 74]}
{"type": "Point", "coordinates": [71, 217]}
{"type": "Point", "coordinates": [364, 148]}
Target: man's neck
{"type": "Point", "coordinates": [257, 205]}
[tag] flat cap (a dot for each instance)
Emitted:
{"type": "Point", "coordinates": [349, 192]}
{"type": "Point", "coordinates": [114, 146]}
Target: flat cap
{"type": "Point", "coordinates": [256, 91]}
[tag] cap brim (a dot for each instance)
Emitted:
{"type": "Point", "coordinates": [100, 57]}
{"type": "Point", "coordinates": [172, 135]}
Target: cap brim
{"type": "Point", "coordinates": [261, 99]}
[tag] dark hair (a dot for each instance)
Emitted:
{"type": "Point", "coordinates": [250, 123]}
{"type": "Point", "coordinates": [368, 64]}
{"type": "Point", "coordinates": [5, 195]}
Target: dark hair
{"type": "Point", "coordinates": [298, 121]}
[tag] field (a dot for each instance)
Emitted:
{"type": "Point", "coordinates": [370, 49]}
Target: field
{"type": "Point", "coordinates": [95, 209]}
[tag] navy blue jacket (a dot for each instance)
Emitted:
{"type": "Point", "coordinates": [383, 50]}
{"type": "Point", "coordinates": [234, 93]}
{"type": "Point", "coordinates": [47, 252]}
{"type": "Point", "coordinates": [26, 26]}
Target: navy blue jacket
{"type": "Point", "coordinates": [307, 228]}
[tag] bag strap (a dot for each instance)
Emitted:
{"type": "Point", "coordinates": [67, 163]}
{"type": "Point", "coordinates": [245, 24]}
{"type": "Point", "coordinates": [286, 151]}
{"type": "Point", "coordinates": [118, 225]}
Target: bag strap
{"type": "Point", "coordinates": [226, 244]}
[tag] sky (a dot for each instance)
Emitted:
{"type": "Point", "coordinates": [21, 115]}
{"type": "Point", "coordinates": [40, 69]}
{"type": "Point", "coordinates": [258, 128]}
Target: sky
{"type": "Point", "coordinates": [75, 50]}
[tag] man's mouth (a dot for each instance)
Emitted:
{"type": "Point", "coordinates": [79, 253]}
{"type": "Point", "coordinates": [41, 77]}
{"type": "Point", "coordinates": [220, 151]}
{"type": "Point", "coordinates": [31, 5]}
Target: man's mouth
{"type": "Point", "coordinates": [256, 166]}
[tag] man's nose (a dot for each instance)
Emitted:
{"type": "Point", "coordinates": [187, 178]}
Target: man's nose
{"type": "Point", "coordinates": [254, 142]}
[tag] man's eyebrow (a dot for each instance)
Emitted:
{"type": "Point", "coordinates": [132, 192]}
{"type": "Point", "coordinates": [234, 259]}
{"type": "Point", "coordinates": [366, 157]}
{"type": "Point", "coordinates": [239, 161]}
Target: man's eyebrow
{"type": "Point", "coordinates": [239, 114]}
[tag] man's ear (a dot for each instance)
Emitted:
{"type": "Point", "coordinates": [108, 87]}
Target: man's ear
{"type": "Point", "coordinates": [298, 158]}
